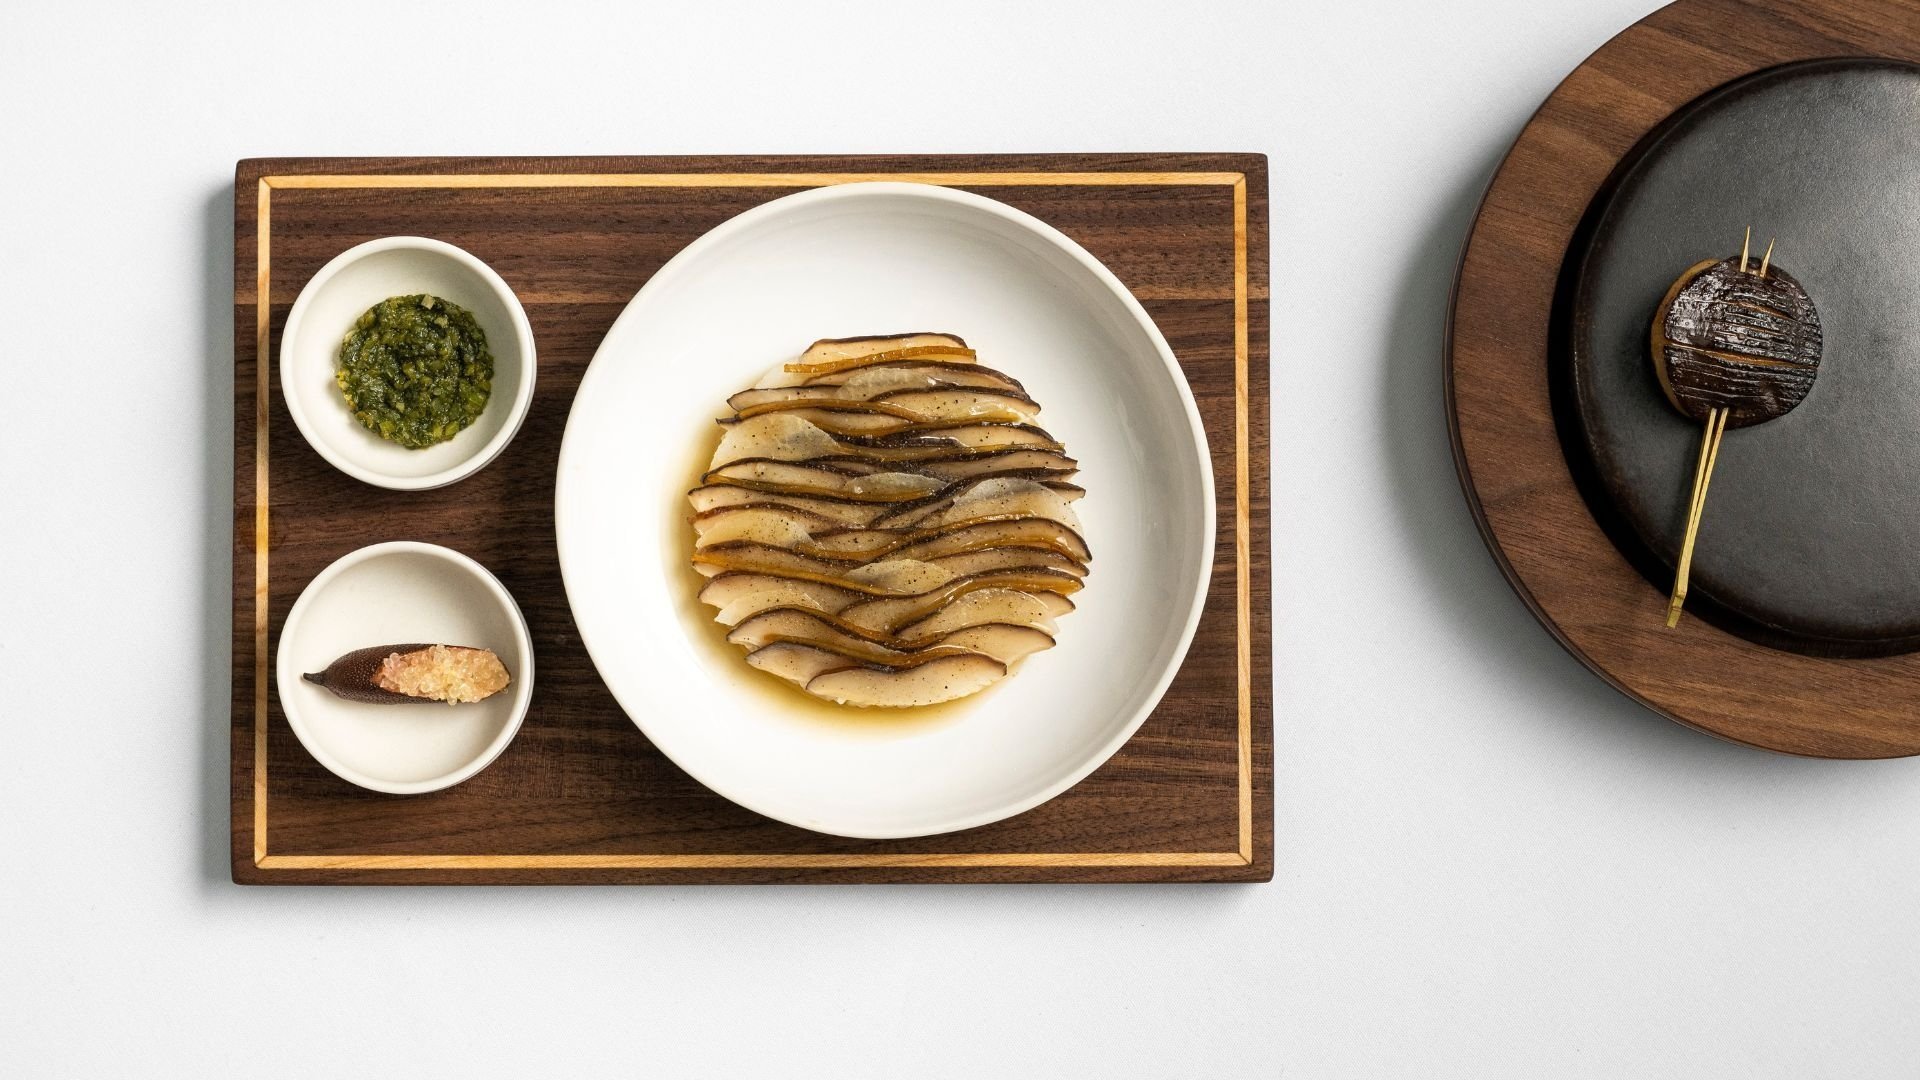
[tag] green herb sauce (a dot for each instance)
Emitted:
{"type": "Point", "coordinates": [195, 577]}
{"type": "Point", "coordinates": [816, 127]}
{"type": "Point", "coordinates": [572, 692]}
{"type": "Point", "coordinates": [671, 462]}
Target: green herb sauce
{"type": "Point", "coordinates": [415, 370]}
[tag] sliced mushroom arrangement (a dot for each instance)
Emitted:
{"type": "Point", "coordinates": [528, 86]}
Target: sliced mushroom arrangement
{"type": "Point", "coordinates": [885, 523]}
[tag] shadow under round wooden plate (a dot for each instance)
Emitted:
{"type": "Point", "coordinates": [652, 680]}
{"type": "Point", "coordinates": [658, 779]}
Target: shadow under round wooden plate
{"type": "Point", "coordinates": [1500, 410]}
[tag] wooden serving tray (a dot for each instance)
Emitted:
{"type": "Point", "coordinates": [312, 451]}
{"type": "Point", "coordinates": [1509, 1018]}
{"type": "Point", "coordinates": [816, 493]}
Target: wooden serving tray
{"type": "Point", "coordinates": [580, 795]}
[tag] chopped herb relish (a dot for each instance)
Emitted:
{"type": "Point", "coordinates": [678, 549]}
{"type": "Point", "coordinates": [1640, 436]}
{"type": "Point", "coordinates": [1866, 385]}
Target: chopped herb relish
{"type": "Point", "coordinates": [415, 370]}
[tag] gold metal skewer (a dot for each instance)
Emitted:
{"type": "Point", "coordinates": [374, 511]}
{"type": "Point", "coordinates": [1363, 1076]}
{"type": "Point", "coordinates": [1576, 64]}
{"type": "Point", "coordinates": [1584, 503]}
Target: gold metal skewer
{"type": "Point", "coordinates": [1703, 468]}
{"type": "Point", "coordinates": [1696, 508]}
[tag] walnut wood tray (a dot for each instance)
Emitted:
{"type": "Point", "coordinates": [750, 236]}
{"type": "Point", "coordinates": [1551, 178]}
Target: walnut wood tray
{"type": "Point", "coordinates": [1550, 545]}
{"type": "Point", "coordinates": [580, 796]}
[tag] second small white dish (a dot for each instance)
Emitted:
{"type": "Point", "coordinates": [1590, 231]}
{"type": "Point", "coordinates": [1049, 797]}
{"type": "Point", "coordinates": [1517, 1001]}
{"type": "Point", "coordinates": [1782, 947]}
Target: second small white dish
{"type": "Point", "coordinates": [393, 594]}
{"type": "Point", "coordinates": [341, 292]}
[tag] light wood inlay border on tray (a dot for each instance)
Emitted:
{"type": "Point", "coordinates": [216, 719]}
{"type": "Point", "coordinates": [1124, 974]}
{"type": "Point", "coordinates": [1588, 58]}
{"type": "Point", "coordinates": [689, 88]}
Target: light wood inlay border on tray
{"type": "Point", "coordinates": [1242, 531]}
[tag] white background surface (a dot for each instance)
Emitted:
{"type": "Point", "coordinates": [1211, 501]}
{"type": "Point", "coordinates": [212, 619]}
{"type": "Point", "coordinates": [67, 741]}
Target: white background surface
{"type": "Point", "coordinates": [1489, 864]}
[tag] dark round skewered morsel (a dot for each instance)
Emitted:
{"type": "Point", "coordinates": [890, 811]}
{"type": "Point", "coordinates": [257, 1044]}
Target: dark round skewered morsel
{"type": "Point", "coordinates": [1729, 338]}
{"type": "Point", "coordinates": [1732, 347]}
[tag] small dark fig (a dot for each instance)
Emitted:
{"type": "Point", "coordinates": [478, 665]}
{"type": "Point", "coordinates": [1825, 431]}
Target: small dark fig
{"type": "Point", "coordinates": [413, 674]}
{"type": "Point", "coordinates": [351, 676]}
{"type": "Point", "coordinates": [1728, 337]}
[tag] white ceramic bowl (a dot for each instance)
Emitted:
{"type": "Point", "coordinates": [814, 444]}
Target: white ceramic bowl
{"type": "Point", "coordinates": [863, 259]}
{"type": "Point", "coordinates": [393, 594]}
{"type": "Point", "coordinates": [341, 292]}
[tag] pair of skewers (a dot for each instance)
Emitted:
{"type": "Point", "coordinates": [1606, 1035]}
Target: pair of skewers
{"type": "Point", "coordinates": [1732, 347]}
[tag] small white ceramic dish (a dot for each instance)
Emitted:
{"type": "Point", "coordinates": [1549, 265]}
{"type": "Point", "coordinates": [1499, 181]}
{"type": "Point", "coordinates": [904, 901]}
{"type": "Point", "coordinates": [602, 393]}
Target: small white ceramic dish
{"type": "Point", "coordinates": [874, 259]}
{"type": "Point", "coordinates": [341, 292]}
{"type": "Point", "coordinates": [393, 594]}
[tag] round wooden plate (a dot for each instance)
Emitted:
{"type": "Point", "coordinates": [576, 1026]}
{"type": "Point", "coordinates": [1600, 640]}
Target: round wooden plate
{"type": "Point", "coordinates": [1500, 412]}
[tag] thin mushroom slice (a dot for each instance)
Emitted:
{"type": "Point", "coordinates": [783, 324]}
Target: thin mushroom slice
{"type": "Point", "coordinates": [896, 484]}
{"type": "Point", "coordinates": [923, 684]}
{"type": "Point", "coordinates": [762, 559]}
{"type": "Point", "coordinates": [752, 525]}
{"type": "Point", "coordinates": [1030, 464]}
{"type": "Point", "coordinates": [892, 580]}
{"type": "Point", "coordinates": [1048, 499]}
{"type": "Point", "coordinates": [1005, 642]}
{"type": "Point", "coordinates": [794, 473]}
{"type": "Point", "coordinates": [860, 651]}
{"type": "Point", "coordinates": [976, 436]}
{"type": "Point", "coordinates": [1042, 503]}
{"type": "Point", "coordinates": [1015, 532]}
{"type": "Point", "coordinates": [885, 371]}
{"type": "Point", "coordinates": [783, 436]}
{"type": "Point", "coordinates": [842, 512]}
{"type": "Point", "coordinates": [802, 624]}
{"type": "Point", "coordinates": [953, 404]}
{"type": "Point", "coordinates": [816, 480]}
{"type": "Point", "coordinates": [995, 487]}
{"type": "Point", "coordinates": [927, 354]}
{"type": "Point", "coordinates": [988, 560]}
{"type": "Point", "coordinates": [779, 436]}
{"type": "Point", "coordinates": [740, 594]}
{"type": "Point", "coordinates": [762, 395]}
{"type": "Point", "coordinates": [892, 613]}
{"type": "Point", "coordinates": [837, 419]}
{"type": "Point", "coordinates": [834, 359]}
{"type": "Point", "coordinates": [794, 661]}
{"type": "Point", "coordinates": [827, 350]}
{"type": "Point", "coordinates": [1008, 643]}
{"type": "Point", "coordinates": [798, 660]}
{"type": "Point", "coordinates": [892, 488]}
{"type": "Point", "coordinates": [1002, 606]}
{"type": "Point", "coordinates": [807, 405]}
{"type": "Point", "coordinates": [875, 380]}
{"type": "Point", "coordinates": [852, 463]}
{"type": "Point", "coordinates": [901, 577]}
{"type": "Point", "coordinates": [737, 521]}
{"type": "Point", "coordinates": [882, 383]}
{"type": "Point", "coordinates": [927, 544]}
{"type": "Point", "coordinates": [992, 496]}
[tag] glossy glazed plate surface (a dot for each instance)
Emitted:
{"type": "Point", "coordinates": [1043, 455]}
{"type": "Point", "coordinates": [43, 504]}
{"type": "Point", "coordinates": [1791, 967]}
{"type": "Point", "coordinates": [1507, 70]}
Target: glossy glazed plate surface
{"type": "Point", "coordinates": [1807, 540]}
{"type": "Point", "coordinates": [864, 259]}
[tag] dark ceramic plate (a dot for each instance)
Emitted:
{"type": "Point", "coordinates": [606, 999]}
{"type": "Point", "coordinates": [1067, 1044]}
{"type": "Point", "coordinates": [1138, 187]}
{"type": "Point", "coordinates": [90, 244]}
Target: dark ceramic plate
{"type": "Point", "coordinates": [1811, 535]}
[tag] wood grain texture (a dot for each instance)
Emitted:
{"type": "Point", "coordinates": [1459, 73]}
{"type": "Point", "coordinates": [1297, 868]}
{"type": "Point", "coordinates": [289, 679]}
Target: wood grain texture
{"type": "Point", "coordinates": [580, 796]}
{"type": "Point", "coordinates": [1505, 443]}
